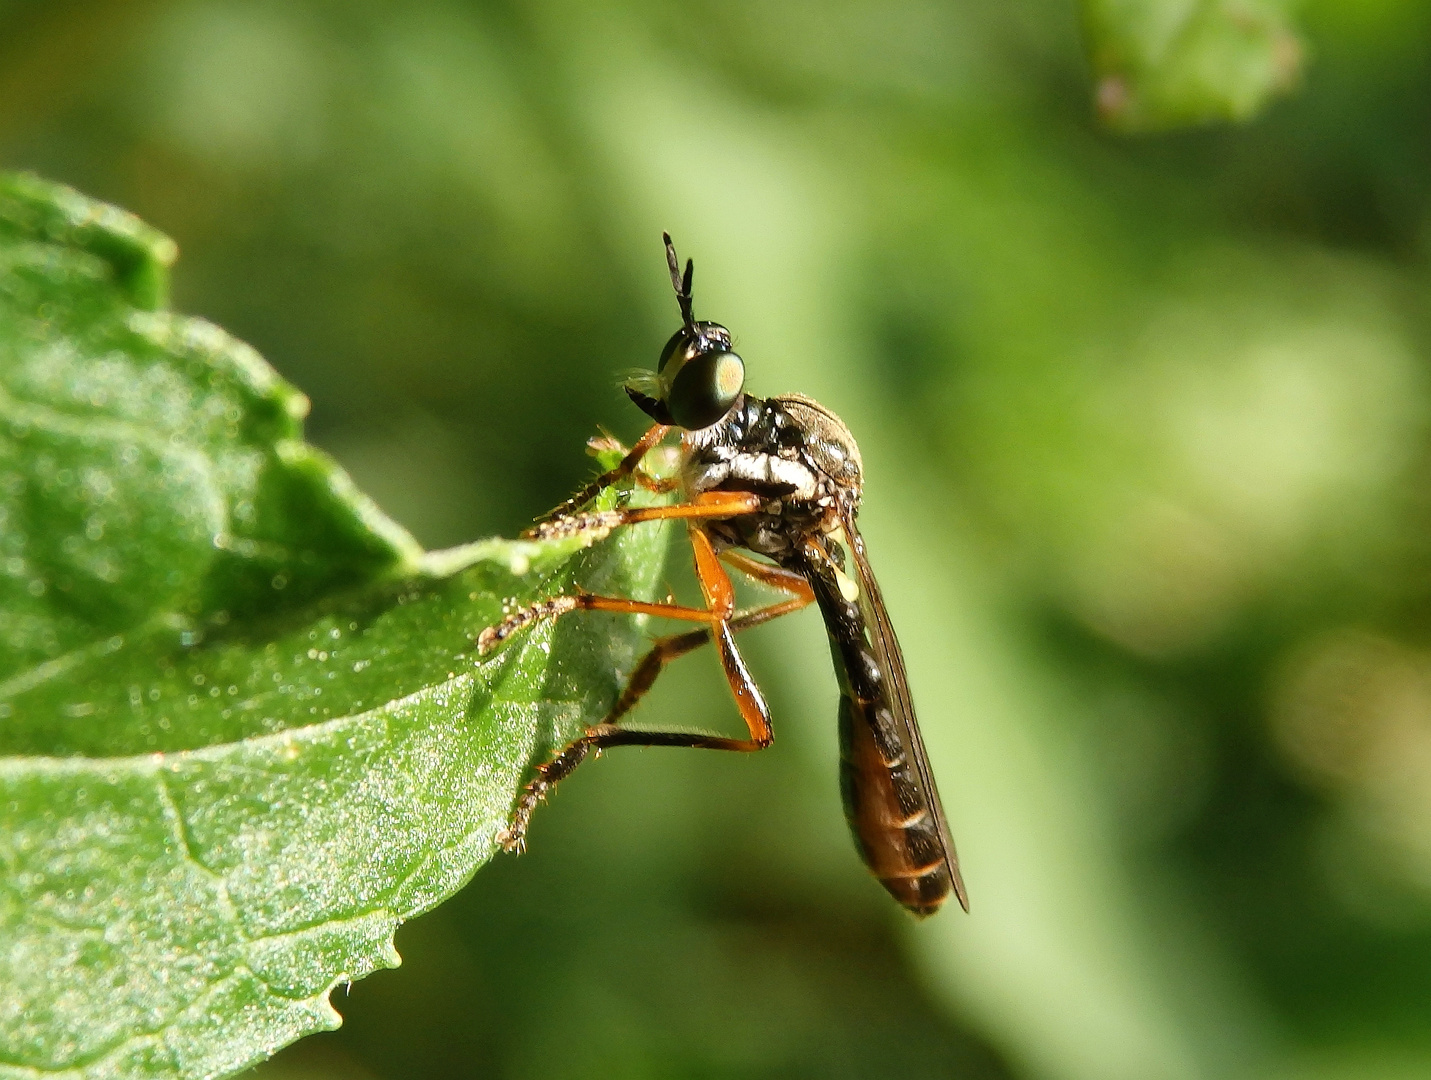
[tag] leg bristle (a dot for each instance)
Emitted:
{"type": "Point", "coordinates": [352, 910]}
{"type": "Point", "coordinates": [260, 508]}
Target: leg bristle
{"type": "Point", "coordinates": [560, 528]}
{"type": "Point", "coordinates": [513, 838]}
{"type": "Point", "coordinates": [550, 608]}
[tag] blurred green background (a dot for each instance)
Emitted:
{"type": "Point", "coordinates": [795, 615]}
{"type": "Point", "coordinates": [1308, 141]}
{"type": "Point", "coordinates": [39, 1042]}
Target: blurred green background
{"type": "Point", "coordinates": [1145, 422]}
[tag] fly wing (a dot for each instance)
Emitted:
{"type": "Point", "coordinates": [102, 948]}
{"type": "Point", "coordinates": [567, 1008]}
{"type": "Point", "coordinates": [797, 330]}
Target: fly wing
{"type": "Point", "coordinates": [890, 661]}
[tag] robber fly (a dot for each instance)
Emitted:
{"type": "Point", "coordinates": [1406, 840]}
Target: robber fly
{"type": "Point", "coordinates": [779, 478]}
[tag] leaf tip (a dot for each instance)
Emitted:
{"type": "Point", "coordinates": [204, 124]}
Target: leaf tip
{"type": "Point", "coordinates": [138, 254]}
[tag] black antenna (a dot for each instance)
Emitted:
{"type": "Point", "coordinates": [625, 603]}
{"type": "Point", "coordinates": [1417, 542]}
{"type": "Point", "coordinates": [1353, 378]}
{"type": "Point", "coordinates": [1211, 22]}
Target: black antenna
{"type": "Point", "coordinates": [682, 285]}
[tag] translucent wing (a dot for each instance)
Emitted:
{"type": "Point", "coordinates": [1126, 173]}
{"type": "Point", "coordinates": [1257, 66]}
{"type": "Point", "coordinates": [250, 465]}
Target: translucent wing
{"type": "Point", "coordinates": [890, 660]}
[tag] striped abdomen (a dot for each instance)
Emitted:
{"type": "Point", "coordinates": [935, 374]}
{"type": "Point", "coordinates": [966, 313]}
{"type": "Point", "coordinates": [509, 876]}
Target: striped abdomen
{"type": "Point", "coordinates": [891, 819]}
{"type": "Point", "coordinates": [889, 806]}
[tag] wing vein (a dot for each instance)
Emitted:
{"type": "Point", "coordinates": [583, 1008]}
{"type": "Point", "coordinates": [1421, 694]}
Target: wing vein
{"type": "Point", "coordinates": [891, 662]}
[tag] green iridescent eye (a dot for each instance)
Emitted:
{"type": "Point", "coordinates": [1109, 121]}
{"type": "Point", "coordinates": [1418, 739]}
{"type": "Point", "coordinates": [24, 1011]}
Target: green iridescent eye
{"type": "Point", "coordinates": [704, 388]}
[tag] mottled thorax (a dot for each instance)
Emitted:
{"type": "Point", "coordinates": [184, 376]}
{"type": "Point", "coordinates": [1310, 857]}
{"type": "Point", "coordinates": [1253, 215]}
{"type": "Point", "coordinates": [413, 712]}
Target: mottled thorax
{"type": "Point", "coordinates": [792, 452]}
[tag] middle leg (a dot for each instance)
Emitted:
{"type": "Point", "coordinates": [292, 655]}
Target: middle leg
{"type": "Point", "coordinates": [666, 649]}
{"type": "Point", "coordinates": [709, 504]}
{"type": "Point", "coordinates": [719, 594]}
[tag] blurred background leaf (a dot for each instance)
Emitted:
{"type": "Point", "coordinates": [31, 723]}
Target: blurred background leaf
{"type": "Point", "coordinates": [1170, 63]}
{"type": "Point", "coordinates": [1145, 422]}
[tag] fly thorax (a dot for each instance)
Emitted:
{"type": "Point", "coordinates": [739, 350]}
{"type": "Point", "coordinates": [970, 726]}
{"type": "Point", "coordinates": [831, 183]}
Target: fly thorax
{"type": "Point", "coordinates": [825, 443]}
{"type": "Point", "coordinates": [797, 457]}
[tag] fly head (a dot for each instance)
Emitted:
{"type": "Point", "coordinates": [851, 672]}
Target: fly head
{"type": "Point", "coordinates": [698, 378]}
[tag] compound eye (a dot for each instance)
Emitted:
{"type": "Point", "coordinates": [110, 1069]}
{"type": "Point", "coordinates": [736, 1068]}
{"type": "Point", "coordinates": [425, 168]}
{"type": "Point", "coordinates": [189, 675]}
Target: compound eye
{"type": "Point", "coordinates": [704, 388]}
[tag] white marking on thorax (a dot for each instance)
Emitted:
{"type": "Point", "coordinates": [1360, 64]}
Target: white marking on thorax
{"type": "Point", "coordinates": [755, 469]}
{"type": "Point", "coordinates": [706, 476]}
{"type": "Point", "coordinates": [769, 469]}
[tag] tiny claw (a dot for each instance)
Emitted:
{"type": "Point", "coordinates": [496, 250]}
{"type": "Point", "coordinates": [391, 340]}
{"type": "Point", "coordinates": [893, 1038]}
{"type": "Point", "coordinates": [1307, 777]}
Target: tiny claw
{"type": "Point", "coordinates": [511, 841]}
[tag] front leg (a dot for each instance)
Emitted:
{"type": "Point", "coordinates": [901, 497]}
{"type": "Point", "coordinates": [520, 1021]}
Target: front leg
{"type": "Point", "coordinates": [630, 465]}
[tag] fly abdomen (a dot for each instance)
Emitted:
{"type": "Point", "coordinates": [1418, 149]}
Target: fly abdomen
{"type": "Point", "coordinates": [891, 821]}
{"type": "Point", "coordinates": [887, 805]}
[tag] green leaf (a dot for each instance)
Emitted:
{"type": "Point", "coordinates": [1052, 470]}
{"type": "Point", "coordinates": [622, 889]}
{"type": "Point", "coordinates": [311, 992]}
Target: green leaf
{"type": "Point", "coordinates": [1163, 64]}
{"type": "Point", "coordinates": [243, 730]}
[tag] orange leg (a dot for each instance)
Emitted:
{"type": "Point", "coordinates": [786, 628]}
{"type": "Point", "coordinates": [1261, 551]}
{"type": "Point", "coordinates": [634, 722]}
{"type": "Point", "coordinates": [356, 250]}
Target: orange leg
{"type": "Point", "coordinates": [628, 466]}
{"type": "Point", "coordinates": [666, 649]}
{"type": "Point", "coordinates": [724, 624]}
{"type": "Point", "coordinates": [709, 504]}
{"type": "Point", "coordinates": [777, 577]}
{"type": "Point", "coordinates": [556, 606]}
{"type": "Point", "coordinates": [712, 504]}
{"type": "Point", "coordinates": [643, 479]}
